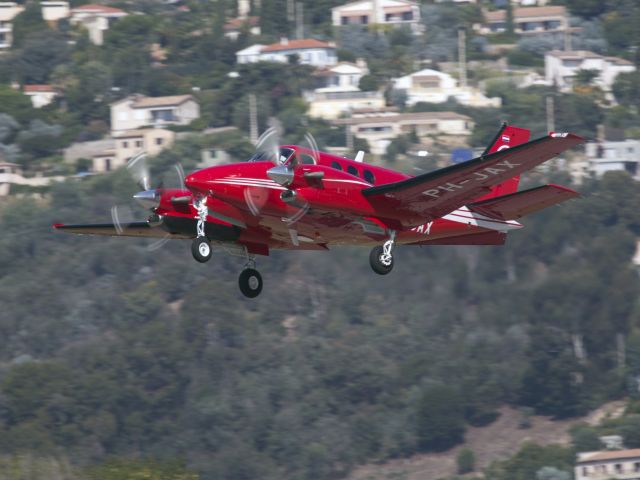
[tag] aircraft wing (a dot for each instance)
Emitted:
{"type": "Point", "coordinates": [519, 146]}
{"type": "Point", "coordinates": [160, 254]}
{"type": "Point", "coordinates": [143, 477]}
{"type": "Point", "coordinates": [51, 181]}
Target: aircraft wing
{"type": "Point", "coordinates": [519, 204]}
{"type": "Point", "coordinates": [136, 229]}
{"type": "Point", "coordinates": [413, 201]}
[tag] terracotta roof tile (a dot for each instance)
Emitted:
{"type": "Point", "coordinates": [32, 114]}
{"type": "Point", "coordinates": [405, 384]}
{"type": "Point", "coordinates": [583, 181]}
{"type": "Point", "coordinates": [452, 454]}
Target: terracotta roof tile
{"type": "Point", "coordinates": [609, 455]}
{"type": "Point", "coordinates": [526, 12]}
{"type": "Point", "coordinates": [297, 45]}
{"type": "Point", "coordinates": [94, 7]}
{"type": "Point", "coordinates": [38, 88]}
{"type": "Point", "coordinates": [147, 102]}
{"type": "Point", "coordinates": [237, 23]}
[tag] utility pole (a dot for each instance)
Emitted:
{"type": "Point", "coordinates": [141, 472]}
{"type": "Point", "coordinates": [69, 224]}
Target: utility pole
{"type": "Point", "coordinates": [462, 56]}
{"type": "Point", "coordinates": [567, 39]}
{"type": "Point", "coordinates": [349, 135]}
{"type": "Point", "coordinates": [299, 21]}
{"type": "Point", "coordinates": [551, 116]}
{"type": "Point", "coordinates": [291, 7]}
{"type": "Point", "coordinates": [253, 118]}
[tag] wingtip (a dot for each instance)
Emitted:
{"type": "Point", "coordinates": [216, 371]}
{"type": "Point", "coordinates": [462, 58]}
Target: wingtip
{"type": "Point", "coordinates": [57, 226]}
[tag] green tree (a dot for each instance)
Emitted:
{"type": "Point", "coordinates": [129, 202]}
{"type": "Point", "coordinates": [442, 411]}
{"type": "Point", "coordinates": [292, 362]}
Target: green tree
{"type": "Point", "coordinates": [466, 460]}
{"type": "Point", "coordinates": [439, 419]}
{"type": "Point", "coordinates": [42, 51]}
{"type": "Point", "coordinates": [27, 23]}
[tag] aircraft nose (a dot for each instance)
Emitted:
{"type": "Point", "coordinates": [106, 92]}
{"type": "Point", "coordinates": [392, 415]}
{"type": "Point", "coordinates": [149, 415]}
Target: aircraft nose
{"type": "Point", "coordinates": [195, 181]}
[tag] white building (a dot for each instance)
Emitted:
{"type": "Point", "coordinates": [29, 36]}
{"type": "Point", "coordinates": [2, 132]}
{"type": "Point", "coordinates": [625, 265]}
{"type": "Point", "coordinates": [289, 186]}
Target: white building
{"type": "Point", "coordinates": [250, 54]}
{"type": "Point", "coordinates": [11, 174]}
{"type": "Point", "coordinates": [96, 19]}
{"type": "Point", "coordinates": [339, 92]}
{"type": "Point", "coordinates": [608, 156]}
{"type": "Point", "coordinates": [526, 20]}
{"type": "Point", "coordinates": [234, 27]}
{"type": "Point", "coordinates": [54, 11]}
{"type": "Point", "coordinates": [608, 465]}
{"type": "Point", "coordinates": [379, 129]}
{"type": "Point", "coordinates": [8, 11]}
{"type": "Point", "coordinates": [309, 52]}
{"type": "Point", "coordinates": [129, 143]}
{"type": "Point", "coordinates": [40, 95]}
{"type": "Point", "coordinates": [561, 68]}
{"type": "Point", "coordinates": [394, 13]}
{"type": "Point", "coordinates": [432, 86]}
{"type": "Point", "coordinates": [138, 111]}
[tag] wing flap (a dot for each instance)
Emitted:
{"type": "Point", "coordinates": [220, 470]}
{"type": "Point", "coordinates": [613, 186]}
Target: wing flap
{"type": "Point", "coordinates": [519, 204]}
{"type": "Point", "coordinates": [412, 201]}
{"type": "Point", "coordinates": [136, 229]}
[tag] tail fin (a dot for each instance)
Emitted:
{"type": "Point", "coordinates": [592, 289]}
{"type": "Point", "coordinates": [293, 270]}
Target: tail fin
{"type": "Point", "coordinates": [506, 137]}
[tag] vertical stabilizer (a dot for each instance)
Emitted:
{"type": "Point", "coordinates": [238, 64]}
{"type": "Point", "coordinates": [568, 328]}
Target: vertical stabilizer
{"type": "Point", "coordinates": [507, 137]}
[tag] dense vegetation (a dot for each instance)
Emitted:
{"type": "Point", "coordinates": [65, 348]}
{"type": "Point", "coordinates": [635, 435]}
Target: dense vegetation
{"type": "Point", "coordinates": [112, 349]}
{"type": "Point", "coordinates": [116, 353]}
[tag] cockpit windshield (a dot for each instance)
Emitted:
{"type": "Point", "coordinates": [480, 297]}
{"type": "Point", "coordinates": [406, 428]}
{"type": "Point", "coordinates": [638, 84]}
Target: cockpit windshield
{"type": "Point", "coordinates": [280, 157]}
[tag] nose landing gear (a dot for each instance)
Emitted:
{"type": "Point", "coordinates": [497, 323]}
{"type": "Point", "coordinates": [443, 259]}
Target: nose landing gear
{"type": "Point", "coordinates": [200, 247]}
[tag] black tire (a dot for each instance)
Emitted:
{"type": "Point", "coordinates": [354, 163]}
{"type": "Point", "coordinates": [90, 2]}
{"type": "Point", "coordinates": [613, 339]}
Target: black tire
{"type": "Point", "coordinates": [250, 283]}
{"type": "Point", "coordinates": [201, 249]}
{"type": "Point", "coordinates": [376, 262]}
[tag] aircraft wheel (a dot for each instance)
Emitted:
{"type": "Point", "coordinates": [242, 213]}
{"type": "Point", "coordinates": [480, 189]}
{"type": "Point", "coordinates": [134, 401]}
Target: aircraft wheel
{"type": "Point", "coordinates": [250, 283]}
{"type": "Point", "coordinates": [380, 263]}
{"type": "Point", "coordinates": [201, 249]}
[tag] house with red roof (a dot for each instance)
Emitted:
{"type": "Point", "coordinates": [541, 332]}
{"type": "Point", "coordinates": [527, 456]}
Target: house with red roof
{"type": "Point", "coordinates": [308, 51]}
{"type": "Point", "coordinates": [96, 19]}
{"type": "Point", "coordinates": [40, 95]}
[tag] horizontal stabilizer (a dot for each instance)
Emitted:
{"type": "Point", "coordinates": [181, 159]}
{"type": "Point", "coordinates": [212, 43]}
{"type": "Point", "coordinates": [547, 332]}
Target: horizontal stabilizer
{"type": "Point", "coordinates": [519, 204]}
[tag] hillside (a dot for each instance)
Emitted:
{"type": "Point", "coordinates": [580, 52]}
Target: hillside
{"type": "Point", "coordinates": [497, 441]}
{"type": "Point", "coordinates": [111, 348]}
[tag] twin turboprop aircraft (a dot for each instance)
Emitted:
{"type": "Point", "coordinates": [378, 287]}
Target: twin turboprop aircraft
{"type": "Point", "coordinates": [296, 198]}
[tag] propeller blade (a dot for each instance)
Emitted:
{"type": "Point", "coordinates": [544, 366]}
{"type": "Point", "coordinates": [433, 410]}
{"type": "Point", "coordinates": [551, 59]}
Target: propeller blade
{"type": "Point", "coordinates": [139, 170]}
{"type": "Point", "coordinates": [269, 144]}
{"type": "Point", "coordinates": [122, 216]}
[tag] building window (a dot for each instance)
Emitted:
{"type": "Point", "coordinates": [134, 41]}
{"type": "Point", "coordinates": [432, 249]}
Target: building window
{"type": "Point", "coordinates": [336, 165]}
{"type": "Point", "coordinates": [138, 143]}
{"type": "Point", "coordinates": [352, 170]}
{"type": "Point", "coordinates": [618, 468]}
{"type": "Point", "coordinates": [369, 177]}
{"type": "Point", "coordinates": [159, 141]}
{"type": "Point", "coordinates": [125, 144]}
{"type": "Point", "coordinates": [344, 20]}
{"type": "Point", "coordinates": [407, 16]}
{"type": "Point", "coordinates": [364, 19]}
{"type": "Point", "coordinates": [107, 164]}
{"type": "Point", "coordinates": [636, 467]}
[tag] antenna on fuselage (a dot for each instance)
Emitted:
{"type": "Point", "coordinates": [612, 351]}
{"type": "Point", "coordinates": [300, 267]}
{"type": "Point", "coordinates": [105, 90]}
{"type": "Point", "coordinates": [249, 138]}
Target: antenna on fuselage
{"type": "Point", "coordinates": [359, 156]}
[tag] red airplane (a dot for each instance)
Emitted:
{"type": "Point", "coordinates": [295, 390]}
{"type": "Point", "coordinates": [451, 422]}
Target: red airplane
{"type": "Point", "coordinates": [295, 198]}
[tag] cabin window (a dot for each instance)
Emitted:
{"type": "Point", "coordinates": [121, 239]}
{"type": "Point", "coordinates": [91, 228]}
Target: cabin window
{"type": "Point", "coordinates": [336, 165]}
{"type": "Point", "coordinates": [352, 170]}
{"type": "Point", "coordinates": [369, 176]}
{"type": "Point", "coordinates": [307, 159]}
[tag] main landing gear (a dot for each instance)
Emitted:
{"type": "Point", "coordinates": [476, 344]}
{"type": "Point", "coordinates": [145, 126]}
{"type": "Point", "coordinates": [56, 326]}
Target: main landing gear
{"type": "Point", "coordinates": [381, 258]}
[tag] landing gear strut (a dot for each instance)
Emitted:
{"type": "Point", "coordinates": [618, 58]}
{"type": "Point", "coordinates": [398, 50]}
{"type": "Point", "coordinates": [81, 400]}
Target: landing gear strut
{"type": "Point", "coordinates": [381, 258]}
{"type": "Point", "coordinates": [250, 281]}
{"type": "Point", "coordinates": [201, 248]}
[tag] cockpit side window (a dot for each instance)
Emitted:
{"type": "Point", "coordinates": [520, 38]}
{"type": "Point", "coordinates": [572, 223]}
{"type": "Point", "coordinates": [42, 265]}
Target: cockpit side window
{"type": "Point", "coordinates": [307, 159]}
{"type": "Point", "coordinates": [280, 157]}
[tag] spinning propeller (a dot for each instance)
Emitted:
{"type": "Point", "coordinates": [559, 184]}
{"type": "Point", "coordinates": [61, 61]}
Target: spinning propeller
{"type": "Point", "coordinates": [149, 198]}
